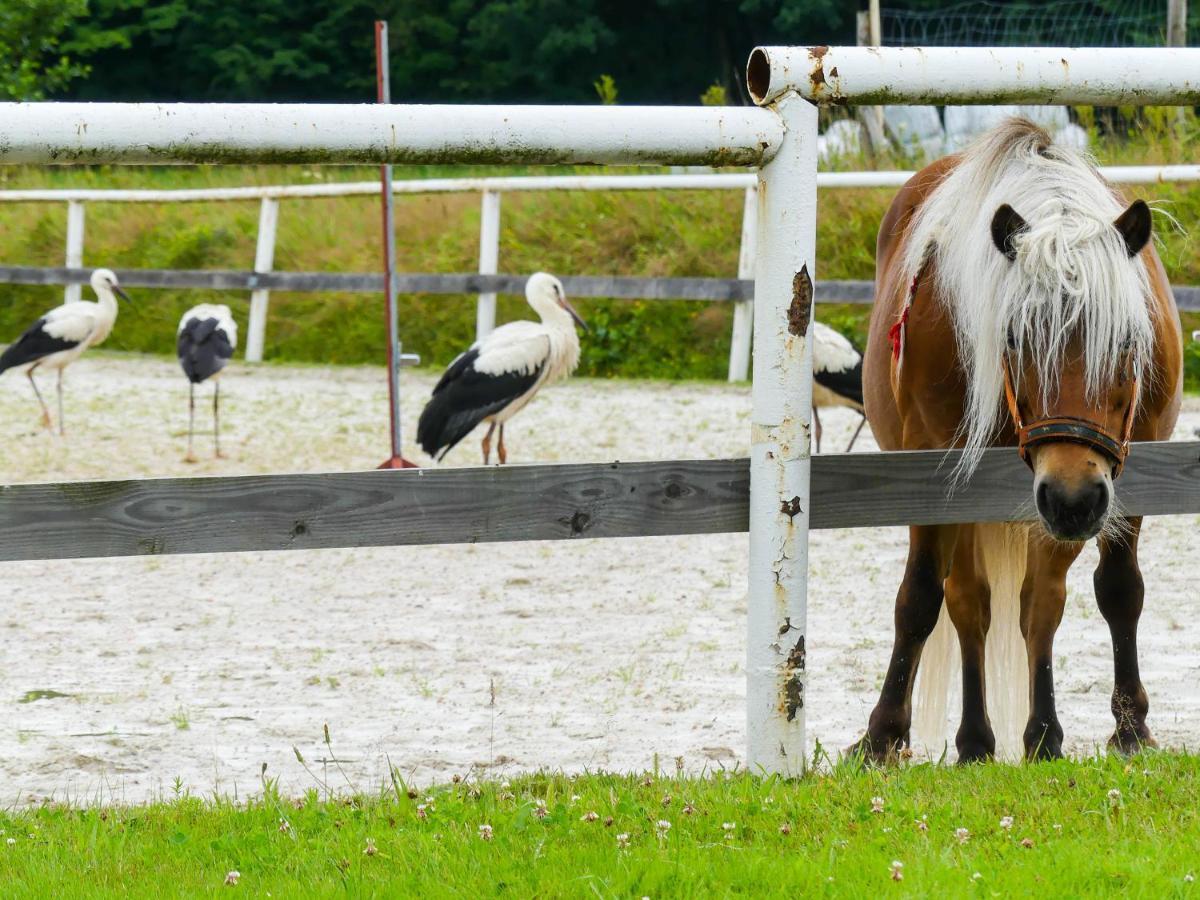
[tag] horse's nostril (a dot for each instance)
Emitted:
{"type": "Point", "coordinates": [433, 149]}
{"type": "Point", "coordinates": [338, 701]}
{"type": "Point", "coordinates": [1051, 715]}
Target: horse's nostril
{"type": "Point", "coordinates": [1042, 498]}
{"type": "Point", "coordinates": [1099, 498]}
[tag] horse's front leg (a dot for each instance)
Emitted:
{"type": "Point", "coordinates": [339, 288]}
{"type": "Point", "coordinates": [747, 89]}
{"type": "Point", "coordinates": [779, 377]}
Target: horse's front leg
{"type": "Point", "coordinates": [1119, 594]}
{"type": "Point", "coordinates": [1043, 596]}
{"type": "Point", "coordinates": [918, 603]}
{"type": "Point", "coordinates": [968, 601]}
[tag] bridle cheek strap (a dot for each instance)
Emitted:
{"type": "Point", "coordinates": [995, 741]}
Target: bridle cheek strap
{"type": "Point", "coordinates": [1071, 429]}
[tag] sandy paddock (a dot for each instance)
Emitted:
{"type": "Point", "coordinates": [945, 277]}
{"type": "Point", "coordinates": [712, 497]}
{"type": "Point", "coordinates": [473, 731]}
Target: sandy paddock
{"type": "Point", "coordinates": [494, 658]}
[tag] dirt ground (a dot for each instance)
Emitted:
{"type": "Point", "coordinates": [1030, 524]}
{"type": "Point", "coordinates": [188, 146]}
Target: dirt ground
{"type": "Point", "coordinates": [127, 678]}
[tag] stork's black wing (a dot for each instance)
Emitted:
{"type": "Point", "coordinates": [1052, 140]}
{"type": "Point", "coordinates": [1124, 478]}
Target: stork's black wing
{"type": "Point", "coordinates": [203, 348]}
{"type": "Point", "coordinates": [847, 383]}
{"type": "Point", "coordinates": [33, 345]}
{"type": "Point", "coordinates": [463, 398]}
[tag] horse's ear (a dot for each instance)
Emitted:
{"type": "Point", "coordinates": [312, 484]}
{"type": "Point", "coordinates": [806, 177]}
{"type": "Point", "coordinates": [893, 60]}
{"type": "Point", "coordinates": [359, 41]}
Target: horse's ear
{"type": "Point", "coordinates": [1007, 224]}
{"type": "Point", "coordinates": [1134, 225]}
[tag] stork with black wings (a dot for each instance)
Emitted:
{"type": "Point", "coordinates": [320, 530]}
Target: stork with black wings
{"type": "Point", "coordinates": [837, 376]}
{"type": "Point", "coordinates": [59, 337]}
{"type": "Point", "coordinates": [495, 379]}
{"type": "Point", "coordinates": [204, 343]}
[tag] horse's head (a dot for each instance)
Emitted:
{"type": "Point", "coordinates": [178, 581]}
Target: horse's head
{"type": "Point", "coordinates": [1073, 432]}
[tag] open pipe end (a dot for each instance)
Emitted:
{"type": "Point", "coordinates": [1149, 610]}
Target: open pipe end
{"type": "Point", "coordinates": [758, 75]}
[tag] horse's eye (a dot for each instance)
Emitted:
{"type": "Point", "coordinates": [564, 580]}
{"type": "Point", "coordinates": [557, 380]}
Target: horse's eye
{"type": "Point", "coordinates": [1012, 340]}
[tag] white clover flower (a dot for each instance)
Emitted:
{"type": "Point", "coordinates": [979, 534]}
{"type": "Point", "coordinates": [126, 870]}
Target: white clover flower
{"type": "Point", "coordinates": [1006, 823]}
{"type": "Point", "coordinates": [485, 832]}
{"type": "Point", "coordinates": [876, 804]}
{"type": "Point", "coordinates": [962, 835]}
{"type": "Point", "coordinates": [897, 870]}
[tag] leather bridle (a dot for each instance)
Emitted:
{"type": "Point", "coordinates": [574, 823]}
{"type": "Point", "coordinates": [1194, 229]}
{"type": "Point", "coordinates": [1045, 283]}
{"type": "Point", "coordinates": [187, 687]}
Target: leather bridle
{"type": "Point", "coordinates": [1072, 429]}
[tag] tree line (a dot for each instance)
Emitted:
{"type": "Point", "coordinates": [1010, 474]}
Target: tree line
{"type": "Point", "coordinates": [517, 51]}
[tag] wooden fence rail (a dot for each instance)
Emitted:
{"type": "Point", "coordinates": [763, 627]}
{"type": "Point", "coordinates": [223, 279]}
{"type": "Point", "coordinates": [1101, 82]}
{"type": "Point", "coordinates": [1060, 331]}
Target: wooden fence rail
{"type": "Point", "coordinates": [530, 503]}
{"type": "Point", "coordinates": [1187, 297]}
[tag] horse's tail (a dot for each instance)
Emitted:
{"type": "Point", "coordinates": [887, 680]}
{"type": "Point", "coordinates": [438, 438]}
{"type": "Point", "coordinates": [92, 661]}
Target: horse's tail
{"type": "Point", "coordinates": [1003, 548]}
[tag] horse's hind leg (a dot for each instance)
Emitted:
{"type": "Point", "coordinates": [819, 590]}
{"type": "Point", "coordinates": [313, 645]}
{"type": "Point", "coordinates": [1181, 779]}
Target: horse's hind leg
{"type": "Point", "coordinates": [968, 601]}
{"type": "Point", "coordinates": [1043, 596]}
{"type": "Point", "coordinates": [918, 603]}
{"type": "Point", "coordinates": [1119, 594]}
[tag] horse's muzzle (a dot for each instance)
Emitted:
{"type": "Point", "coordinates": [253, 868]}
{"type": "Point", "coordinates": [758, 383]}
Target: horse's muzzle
{"type": "Point", "coordinates": [1073, 512]}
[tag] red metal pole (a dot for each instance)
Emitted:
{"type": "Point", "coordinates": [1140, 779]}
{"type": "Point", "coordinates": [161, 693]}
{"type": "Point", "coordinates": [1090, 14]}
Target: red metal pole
{"type": "Point", "coordinates": [395, 460]}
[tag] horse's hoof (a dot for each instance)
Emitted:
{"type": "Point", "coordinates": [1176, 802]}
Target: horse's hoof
{"type": "Point", "coordinates": [875, 753]}
{"type": "Point", "coordinates": [1130, 743]}
{"type": "Point", "coordinates": [973, 753]}
{"type": "Point", "coordinates": [1044, 751]}
{"type": "Point", "coordinates": [1043, 742]}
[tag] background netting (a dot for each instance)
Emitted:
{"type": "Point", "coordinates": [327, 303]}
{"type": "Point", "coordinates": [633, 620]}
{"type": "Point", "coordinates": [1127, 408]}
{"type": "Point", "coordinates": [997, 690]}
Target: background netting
{"type": "Point", "coordinates": [1058, 23]}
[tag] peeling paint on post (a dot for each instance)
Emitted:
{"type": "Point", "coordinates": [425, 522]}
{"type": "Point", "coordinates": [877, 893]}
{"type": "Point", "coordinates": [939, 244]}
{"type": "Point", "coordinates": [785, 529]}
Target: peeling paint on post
{"type": "Point", "coordinates": [779, 453]}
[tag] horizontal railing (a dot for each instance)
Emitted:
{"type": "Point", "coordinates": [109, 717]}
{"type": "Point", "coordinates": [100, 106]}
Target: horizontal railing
{"type": "Point", "coordinates": [491, 190]}
{"type": "Point", "coordinates": [1187, 297]}
{"type": "Point", "coordinates": [525, 183]}
{"type": "Point", "coordinates": [534, 503]}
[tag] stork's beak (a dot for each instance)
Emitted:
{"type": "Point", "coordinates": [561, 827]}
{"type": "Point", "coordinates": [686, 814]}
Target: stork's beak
{"type": "Point", "coordinates": [120, 293]}
{"type": "Point", "coordinates": [574, 315]}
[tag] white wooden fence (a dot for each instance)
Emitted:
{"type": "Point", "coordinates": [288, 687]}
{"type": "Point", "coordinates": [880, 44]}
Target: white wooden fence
{"type": "Point", "coordinates": [491, 190]}
{"type": "Point", "coordinates": [780, 139]}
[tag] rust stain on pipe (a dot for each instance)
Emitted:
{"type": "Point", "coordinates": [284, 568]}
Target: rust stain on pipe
{"type": "Point", "coordinates": [793, 679]}
{"type": "Point", "coordinates": [800, 309]}
{"type": "Point", "coordinates": [817, 74]}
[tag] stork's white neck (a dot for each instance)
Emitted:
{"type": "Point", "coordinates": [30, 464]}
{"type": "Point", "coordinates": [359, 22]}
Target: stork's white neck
{"type": "Point", "coordinates": [554, 316]}
{"type": "Point", "coordinates": [106, 299]}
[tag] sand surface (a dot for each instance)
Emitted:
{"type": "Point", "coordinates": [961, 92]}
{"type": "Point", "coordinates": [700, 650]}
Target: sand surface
{"type": "Point", "coordinates": [197, 670]}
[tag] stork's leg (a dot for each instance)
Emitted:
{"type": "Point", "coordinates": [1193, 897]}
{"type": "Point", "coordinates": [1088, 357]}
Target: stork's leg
{"type": "Point", "coordinates": [62, 425]}
{"type": "Point", "coordinates": [817, 422]}
{"type": "Point", "coordinates": [501, 452]}
{"type": "Point", "coordinates": [191, 457]}
{"type": "Point", "coordinates": [217, 420]}
{"type": "Point", "coordinates": [46, 423]}
{"type": "Point", "coordinates": [487, 443]}
{"type": "Point", "coordinates": [857, 431]}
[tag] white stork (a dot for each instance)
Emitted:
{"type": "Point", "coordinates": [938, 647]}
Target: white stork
{"type": "Point", "coordinates": [59, 337]}
{"type": "Point", "coordinates": [837, 376]}
{"type": "Point", "coordinates": [205, 342]}
{"type": "Point", "coordinates": [494, 380]}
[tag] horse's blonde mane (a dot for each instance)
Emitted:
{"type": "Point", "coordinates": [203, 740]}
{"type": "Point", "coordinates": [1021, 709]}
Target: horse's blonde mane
{"type": "Point", "coordinates": [1072, 274]}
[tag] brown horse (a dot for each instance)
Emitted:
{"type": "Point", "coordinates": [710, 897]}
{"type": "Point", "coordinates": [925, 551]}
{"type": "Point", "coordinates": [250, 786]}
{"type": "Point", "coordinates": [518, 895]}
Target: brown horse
{"type": "Point", "coordinates": [1019, 303]}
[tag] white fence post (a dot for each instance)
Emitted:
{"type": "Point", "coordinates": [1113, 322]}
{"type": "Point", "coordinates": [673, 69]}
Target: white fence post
{"type": "Point", "coordinates": [779, 447]}
{"type": "Point", "coordinates": [264, 260]}
{"type": "Point", "coordinates": [489, 258]}
{"type": "Point", "coordinates": [74, 247]}
{"type": "Point", "coordinates": [743, 310]}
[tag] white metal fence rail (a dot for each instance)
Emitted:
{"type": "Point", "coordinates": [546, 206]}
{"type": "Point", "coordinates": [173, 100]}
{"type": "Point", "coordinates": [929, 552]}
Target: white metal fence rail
{"type": "Point", "coordinates": [490, 190]}
{"type": "Point", "coordinates": [781, 140]}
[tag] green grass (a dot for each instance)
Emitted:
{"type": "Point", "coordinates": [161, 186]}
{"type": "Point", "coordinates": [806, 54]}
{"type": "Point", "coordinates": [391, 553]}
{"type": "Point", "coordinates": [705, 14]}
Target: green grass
{"type": "Point", "coordinates": [1087, 828]}
{"type": "Point", "coordinates": [682, 233]}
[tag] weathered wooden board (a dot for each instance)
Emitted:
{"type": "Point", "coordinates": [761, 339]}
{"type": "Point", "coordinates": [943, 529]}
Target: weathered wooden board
{"type": "Point", "coordinates": [409, 283]}
{"type": "Point", "coordinates": [514, 503]}
{"type": "Point", "coordinates": [711, 289]}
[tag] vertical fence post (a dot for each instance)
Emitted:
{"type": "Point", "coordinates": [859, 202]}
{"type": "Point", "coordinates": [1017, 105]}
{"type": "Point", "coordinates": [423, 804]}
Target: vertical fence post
{"type": "Point", "coordinates": [779, 447]}
{"type": "Point", "coordinates": [489, 257]}
{"type": "Point", "coordinates": [74, 247]}
{"type": "Point", "coordinates": [264, 260]}
{"type": "Point", "coordinates": [1176, 23]}
{"type": "Point", "coordinates": [743, 310]}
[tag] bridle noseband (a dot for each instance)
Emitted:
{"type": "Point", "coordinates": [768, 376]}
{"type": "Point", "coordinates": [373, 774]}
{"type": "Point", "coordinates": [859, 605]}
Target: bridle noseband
{"type": "Point", "coordinates": [1054, 429]}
